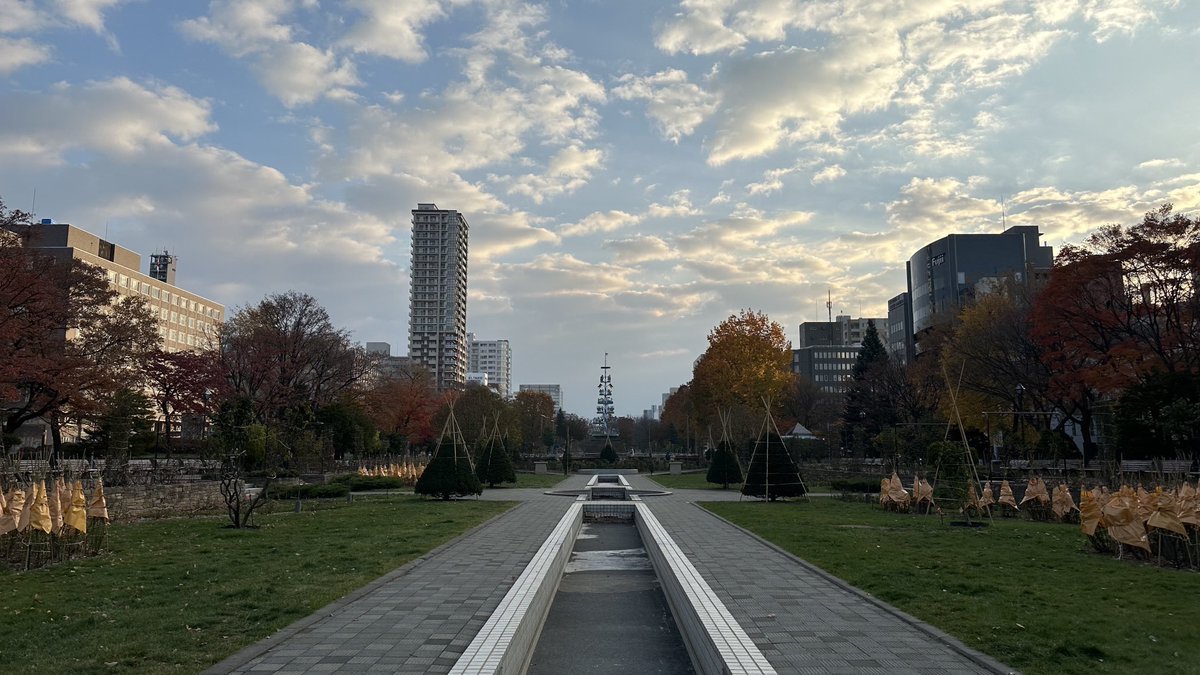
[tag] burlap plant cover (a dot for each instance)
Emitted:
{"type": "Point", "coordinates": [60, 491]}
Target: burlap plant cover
{"type": "Point", "coordinates": [1036, 490]}
{"type": "Point", "coordinates": [1061, 502]}
{"type": "Point", "coordinates": [1164, 513]}
{"type": "Point", "coordinates": [1006, 495]}
{"type": "Point", "coordinates": [1091, 513]}
{"type": "Point", "coordinates": [1123, 522]}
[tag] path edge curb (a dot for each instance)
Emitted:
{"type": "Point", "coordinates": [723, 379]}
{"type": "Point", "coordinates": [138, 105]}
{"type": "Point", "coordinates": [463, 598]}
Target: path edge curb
{"type": "Point", "coordinates": [256, 649]}
{"type": "Point", "coordinates": [978, 657]}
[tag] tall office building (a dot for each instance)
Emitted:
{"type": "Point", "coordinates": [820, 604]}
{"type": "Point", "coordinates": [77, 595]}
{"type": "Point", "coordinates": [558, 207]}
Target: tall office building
{"type": "Point", "coordinates": [437, 308]}
{"type": "Point", "coordinates": [899, 337]}
{"type": "Point", "coordinates": [493, 357]}
{"type": "Point", "coordinates": [945, 275]}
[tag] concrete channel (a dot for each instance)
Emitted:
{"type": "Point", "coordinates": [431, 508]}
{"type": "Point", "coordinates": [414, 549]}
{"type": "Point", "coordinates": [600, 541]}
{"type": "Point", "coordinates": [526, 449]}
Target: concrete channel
{"type": "Point", "coordinates": [609, 591]}
{"type": "Point", "coordinates": [610, 614]}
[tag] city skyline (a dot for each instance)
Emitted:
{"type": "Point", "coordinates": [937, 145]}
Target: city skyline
{"type": "Point", "coordinates": [633, 173]}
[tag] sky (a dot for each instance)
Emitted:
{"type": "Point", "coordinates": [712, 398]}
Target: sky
{"type": "Point", "coordinates": [633, 172]}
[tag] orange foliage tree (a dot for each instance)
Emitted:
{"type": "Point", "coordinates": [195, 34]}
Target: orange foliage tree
{"type": "Point", "coordinates": [748, 361]}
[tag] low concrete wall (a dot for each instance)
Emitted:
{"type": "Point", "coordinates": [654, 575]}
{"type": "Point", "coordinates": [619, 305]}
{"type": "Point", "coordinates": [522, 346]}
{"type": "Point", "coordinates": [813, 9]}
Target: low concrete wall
{"type": "Point", "coordinates": [506, 642]}
{"type": "Point", "coordinates": [715, 641]}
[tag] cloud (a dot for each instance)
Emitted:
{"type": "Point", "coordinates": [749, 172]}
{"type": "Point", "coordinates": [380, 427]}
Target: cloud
{"type": "Point", "coordinates": [676, 105]}
{"type": "Point", "coordinates": [679, 203]}
{"type": "Point", "coordinates": [242, 27]}
{"type": "Point", "coordinates": [639, 249]}
{"type": "Point", "coordinates": [392, 29]}
{"type": "Point", "coordinates": [297, 73]}
{"type": "Point", "coordinates": [828, 174]}
{"type": "Point", "coordinates": [1156, 164]}
{"type": "Point", "coordinates": [117, 115]}
{"type": "Point", "coordinates": [794, 94]}
{"type": "Point", "coordinates": [569, 169]}
{"type": "Point", "coordinates": [21, 52]}
{"type": "Point", "coordinates": [599, 221]}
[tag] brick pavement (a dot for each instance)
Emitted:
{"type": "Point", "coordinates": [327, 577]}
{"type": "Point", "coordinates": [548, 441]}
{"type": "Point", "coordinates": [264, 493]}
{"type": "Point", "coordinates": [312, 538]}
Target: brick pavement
{"type": "Point", "coordinates": [421, 617]}
{"type": "Point", "coordinates": [802, 620]}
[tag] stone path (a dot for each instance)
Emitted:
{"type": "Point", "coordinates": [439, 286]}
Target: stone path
{"type": "Point", "coordinates": [801, 619]}
{"type": "Point", "coordinates": [421, 617]}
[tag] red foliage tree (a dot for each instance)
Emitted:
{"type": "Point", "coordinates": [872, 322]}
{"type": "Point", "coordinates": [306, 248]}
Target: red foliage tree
{"type": "Point", "coordinates": [182, 383]}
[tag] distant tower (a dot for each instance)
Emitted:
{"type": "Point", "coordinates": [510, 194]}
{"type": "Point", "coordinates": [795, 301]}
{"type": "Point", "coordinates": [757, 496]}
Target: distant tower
{"type": "Point", "coordinates": [829, 304]}
{"type": "Point", "coordinates": [162, 267]}
{"type": "Point", "coordinates": [437, 308]}
{"type": "Point", "coordinates": [602, 426]}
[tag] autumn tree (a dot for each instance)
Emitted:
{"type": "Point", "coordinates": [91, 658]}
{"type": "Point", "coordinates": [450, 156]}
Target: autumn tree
{"type": "Point", "coordinates": [182, 383]}
{"type": "Point", "coordinates": [403, 404]}
{"type": "Point", "coordinates": [1121, 308]}
{"type": "Point", "coordinates": [679, 417]}
{"type": "Point", "coordinates": [748, 361]}
{"type": "Point", "coordinates": [67, 340]}
{"type": "Point", "coordinates": [287, 358]}
{"type": "Point", "coordinates": [534, 412]}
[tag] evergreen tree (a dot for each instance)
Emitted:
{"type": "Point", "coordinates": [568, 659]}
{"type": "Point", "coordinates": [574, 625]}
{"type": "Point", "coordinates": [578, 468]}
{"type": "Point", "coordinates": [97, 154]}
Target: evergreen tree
{"type": "Point", "coordinates": [772, 473]}
{"type": "Point", "coordinates": [724, 467]}
{"type": "Point", "coordinates": [495, 463]}
{"type": "Point", "coordinates": [608, 453]}
{"type": "Point", "coordinates": [869, 409]}
{"type": "Point", "coordinates": [449, 473]}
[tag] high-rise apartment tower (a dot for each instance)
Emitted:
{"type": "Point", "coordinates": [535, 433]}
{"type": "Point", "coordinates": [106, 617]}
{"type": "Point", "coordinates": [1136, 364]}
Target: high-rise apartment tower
{"type": "Point", "coordinates": [437, 308]}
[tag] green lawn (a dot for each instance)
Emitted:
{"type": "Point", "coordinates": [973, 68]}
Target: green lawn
{"type": "Point", "coordinates": [1029, 594]}
{"type": "Point", "coordinates": [688, 481]}
{"type": "Point", "coordinates": [180, 595]}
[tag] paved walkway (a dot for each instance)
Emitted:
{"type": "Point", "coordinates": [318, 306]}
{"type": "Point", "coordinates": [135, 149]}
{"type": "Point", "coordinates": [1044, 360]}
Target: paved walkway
{"type": "Point", "coordinates": [421, 617]}
{"type": "Point", "coordinates": [801, 619]}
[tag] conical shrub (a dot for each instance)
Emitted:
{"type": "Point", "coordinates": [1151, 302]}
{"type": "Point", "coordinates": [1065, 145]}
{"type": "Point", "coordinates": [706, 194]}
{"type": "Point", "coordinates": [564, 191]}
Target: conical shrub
{"type": "Point", "coordinates": [608, 453]}
{"type": "Point", "coordinates": [495, 464]}
{"type": "Point", "coordinates": [724, 467]}
{"type": "Point", "coordinates": [449, 473]}
{"type": "Point", "coordinates": [772, 473]}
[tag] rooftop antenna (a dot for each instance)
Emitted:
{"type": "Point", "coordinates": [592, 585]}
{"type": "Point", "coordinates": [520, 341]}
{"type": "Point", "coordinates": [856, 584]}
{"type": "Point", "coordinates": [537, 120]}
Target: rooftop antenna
{"type": "Point", "coordinates": [829, 304]}
{"type": "Point", "coordinates": [33, 209]}
{"type": "Point", "coordinates": [1003, 215]}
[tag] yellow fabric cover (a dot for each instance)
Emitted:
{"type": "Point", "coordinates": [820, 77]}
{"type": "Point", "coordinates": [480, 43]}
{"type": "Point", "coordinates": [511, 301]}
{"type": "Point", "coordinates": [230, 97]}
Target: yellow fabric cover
{"type": "Point", "coordinates": [922, 491]}
{"type": "Point", "coordinates": [883, 490]}
{"type": "Point", "coordinates": [1164, 513]}
{"type": "Point", "coordinates": [64, 495]}
{"type": "Point", "coordinates": [988, 497]}
{"type": "Point", "coordinates": [1006, 495]}
{"type": "Point", "coordinates": [1091, 513]}
{"type": "Point", "coordinates": [40, 518]}
{"type": "Point", "coordinates": [896, 491]}
{"type": "Point", "coordinates": [7, 522]}
{"type": "Point", "coordinates": [1189, 513]}
{"type": "Point", "coordinates": [1036, 490]}
{"type": "Point", "coordinates": [98, 508]}
{"type": "Point", "coordinates": [1123, 522]}
{"type": "Point", "coordinates": [20, 508]}
{"type": "Point", "coordinates": [76, 516]}
{"type": "Point", "coordinates": [1062, 501]}
{"type": "Point", "coordinates": [56, 506]}
{"type": "Point", "coordinates": [972, 500]}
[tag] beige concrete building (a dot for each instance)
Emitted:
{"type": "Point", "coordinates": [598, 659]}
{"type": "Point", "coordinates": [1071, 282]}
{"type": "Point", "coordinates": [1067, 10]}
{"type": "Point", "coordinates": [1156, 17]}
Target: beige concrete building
{"type": "Point", "coordinates": [186, 320]}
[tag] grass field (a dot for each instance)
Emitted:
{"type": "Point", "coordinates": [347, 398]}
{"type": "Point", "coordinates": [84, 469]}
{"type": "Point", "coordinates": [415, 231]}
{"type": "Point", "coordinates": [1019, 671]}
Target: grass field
{"type": "Point", "coordinates": [180, 595]}
{"type": "Point", "coordinates": [688, 481]}
{"type": "Point", "coordinates": [1029, 594]}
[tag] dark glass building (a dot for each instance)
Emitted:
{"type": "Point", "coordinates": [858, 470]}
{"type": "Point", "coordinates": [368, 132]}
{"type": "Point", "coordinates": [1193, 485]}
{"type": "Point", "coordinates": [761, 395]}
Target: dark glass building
{"type": "Point", "coordinates": [946, 274]}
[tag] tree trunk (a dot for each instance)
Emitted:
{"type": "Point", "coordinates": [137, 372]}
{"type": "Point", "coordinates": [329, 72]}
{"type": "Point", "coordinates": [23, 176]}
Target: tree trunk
{"type": "Point", "coordinates": [55, 439]}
